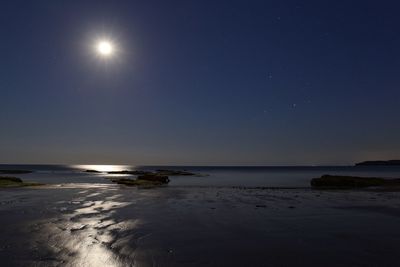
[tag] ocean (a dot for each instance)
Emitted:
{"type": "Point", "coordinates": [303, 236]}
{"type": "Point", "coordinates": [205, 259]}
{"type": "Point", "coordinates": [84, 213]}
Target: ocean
{"type": "Point", "coordinates": [212, 176]}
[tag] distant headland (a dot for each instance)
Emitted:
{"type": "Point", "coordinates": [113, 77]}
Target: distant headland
{"type": "Point", "coordinates": [379, 163]}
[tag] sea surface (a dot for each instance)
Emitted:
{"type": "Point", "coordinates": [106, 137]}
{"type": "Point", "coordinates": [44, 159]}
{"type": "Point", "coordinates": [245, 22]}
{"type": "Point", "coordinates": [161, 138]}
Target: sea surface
{"type": "Point", "coordinates": [211, 176]}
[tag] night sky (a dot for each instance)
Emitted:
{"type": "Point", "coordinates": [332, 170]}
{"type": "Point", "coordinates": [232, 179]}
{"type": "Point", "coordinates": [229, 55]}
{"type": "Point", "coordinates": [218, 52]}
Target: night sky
{"type": "Point", "coordinates": [200, 82]}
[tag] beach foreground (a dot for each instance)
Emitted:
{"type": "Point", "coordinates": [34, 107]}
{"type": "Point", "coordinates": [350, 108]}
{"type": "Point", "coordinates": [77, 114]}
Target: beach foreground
{"type": "Point", "coordinates": [113, 225]}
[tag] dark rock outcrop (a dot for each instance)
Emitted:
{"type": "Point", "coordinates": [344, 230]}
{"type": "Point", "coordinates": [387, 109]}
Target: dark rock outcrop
{"type": "Point", "coordinates": [157, 172]}
{"type": "Point", "coordinates": [14, 171]}
{"type": "Point", "coordinates": [15, 182]}
{"type": "Point", "coordinates": [93, 171]}
{"type": "Point", "coordinates": [129, 172]}
{"type": "Point", "coordinates": [10, 179]}
{"type": "Point", "coordinates": [145, 180]}
{"type": "Point", "coordinates": [141, 182]}
{"type": "Point", "coordinates": [154, 177]}
{"type": "Point", "coordinates": [173, 172]}
{"type": "Point", "coordinates": [337, 181]}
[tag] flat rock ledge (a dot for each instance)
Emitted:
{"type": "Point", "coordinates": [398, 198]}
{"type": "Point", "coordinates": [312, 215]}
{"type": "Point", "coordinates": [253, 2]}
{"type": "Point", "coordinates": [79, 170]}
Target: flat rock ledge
{"type": "Point", "coordinates": [338, 181]}
{"type": "Point", "coordinates": [6, 181]}
{"type": "Point", "coordinates": [146, 180]}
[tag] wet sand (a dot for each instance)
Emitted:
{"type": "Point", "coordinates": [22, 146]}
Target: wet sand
{"type": "Point", "coordinates": [112, 225]}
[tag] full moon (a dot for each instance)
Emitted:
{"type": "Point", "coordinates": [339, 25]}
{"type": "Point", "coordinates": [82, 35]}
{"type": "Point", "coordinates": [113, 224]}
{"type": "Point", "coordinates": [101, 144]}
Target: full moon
{"type": "Point", "coordinates": [105, 48]}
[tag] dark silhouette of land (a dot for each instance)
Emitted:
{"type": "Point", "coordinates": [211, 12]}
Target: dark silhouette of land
{"type": "Point", "coordinates": [379, 163]}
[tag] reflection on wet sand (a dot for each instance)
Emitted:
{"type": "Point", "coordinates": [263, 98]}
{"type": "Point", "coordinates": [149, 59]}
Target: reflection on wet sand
{"type": "Point", "coordinates": [87, 234]}
{"type": "Point", "coordinates": [111, 225]}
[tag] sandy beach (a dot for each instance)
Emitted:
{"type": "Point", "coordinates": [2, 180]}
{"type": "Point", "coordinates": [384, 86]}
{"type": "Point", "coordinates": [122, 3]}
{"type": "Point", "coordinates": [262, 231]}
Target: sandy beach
{"type": "Point", "coordinates": [113, 225]}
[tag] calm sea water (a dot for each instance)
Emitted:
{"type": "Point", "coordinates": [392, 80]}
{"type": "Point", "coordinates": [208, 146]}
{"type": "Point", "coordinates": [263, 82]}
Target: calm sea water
{"type": "Point", "coordinates": [216, 176]}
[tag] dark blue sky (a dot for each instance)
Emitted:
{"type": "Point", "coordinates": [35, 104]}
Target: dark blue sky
{"type": "Point", "coordinates": [200, 82]}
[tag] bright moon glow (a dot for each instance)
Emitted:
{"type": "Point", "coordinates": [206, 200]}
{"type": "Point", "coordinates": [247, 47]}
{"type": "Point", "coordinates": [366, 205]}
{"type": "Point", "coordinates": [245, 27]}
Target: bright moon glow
{"type": "Point", "coordinates": [105, 48]}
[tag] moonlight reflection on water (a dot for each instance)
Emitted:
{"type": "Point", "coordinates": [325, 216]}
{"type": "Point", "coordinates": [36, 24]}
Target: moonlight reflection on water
{"type": "Point", "coordinates": [102, 168]}
{"type": "Point", "coordinates": [87, 234]}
